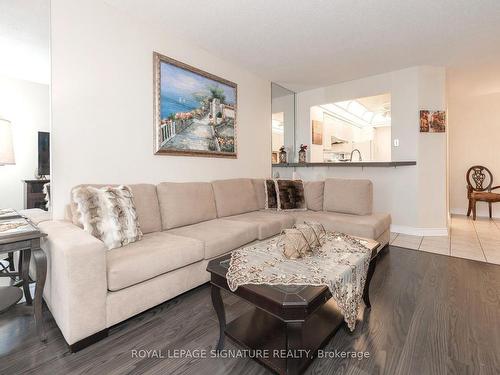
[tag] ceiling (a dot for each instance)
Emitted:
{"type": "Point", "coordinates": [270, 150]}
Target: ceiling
{"type": "Point", "coordinates": [278, 91]}
{"type": "Point", "coordinates": [306, 44]}
{"type": "Point", "coordinates": [377, 103]}
{"type": "Point", "coordinates": [24, 39]}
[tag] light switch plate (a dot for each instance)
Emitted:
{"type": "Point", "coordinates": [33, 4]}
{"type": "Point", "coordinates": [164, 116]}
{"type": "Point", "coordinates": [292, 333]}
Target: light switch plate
{"type": "Point", "coordinates": [396, 142]}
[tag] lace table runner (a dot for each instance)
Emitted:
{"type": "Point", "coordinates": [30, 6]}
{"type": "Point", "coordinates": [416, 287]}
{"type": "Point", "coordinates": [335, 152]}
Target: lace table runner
{"type": "Point", "coordinates": [341, 264]}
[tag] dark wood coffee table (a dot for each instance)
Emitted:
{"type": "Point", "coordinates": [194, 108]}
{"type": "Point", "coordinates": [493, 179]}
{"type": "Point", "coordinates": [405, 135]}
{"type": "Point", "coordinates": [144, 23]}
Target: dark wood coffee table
{"type": "Point", "coordinates": [292, 319]}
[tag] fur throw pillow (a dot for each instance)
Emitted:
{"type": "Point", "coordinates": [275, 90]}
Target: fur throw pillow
{"type": "Point", "coordinates": [271, 194]}
{"type": "Point", "coordinates": [291, 195]}
{"type": "Point", "coordinates": [108, 214]}
{"type": "Point", "coordinates": [286, 195]}
{"type": "Point", "coordinates": [46, 191]}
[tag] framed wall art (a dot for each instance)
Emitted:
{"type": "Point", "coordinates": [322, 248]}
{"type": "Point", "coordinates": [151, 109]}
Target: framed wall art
{"type": "Point", "coordinates": [317, 132]}
{"type": "Point", "coordinates": [195, 111]}
{"type": "Point", "coordinates": [432, 121]}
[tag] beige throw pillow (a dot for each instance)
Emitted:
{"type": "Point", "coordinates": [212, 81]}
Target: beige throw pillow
{"type": "Point", "coordinates": [348, 196]}
{"type": "Point", "coordinates": [313, 192]}
{"type": "Point", "coordinates": [108, 214]}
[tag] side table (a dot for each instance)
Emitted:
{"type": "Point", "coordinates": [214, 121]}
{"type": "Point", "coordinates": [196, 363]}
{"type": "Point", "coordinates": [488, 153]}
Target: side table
{"type": "Point", "coordinates": [20, 234]}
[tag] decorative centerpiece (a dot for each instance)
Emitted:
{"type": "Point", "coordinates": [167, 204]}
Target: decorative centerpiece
{"type": "Point", "coordinates": [283, 158]}
{"type": "Point", "coordinates": [302, 153]}
{"type": "Point", "coordinates": [308, 234]}
{"type": "Point", "coordinates": [319, 231]}
{"type": "Point", "coordinates": [302, 239]}
{"type": "Point", "coordinates": [295, 243]}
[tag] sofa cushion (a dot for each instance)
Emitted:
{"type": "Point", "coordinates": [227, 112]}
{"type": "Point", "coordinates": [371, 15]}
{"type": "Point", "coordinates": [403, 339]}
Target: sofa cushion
{"type": "Point", "coordinates": [368, 226]}
{"type": "Point", "coordinates": [260, 192]}
{"type": "Point", "coordinates": [313, 191]}
{"type": "Point", "coordinates": [146, 205]}
{"type": "Point", "coordinates": [185, 203]}
{"type": "Point", "coordinates": [348, 196]}
{"type": "Point", "coordinates": [156, 254]}
{"type": "Point", "coordinates": [268, 223]}
{"type": "Point", "coordinates": [235, 196]}
{"type": "Point", "coordinates": [284, 217]}
{"type": "Point", "coordinates": [219, 235]}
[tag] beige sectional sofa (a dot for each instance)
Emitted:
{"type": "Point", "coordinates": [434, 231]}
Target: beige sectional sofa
{"type": "Point", "coordinates": [90, 288]}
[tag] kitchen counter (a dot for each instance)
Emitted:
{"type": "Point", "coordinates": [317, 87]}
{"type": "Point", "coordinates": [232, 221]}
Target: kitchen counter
{"type": "Point", "coordinates": [347, 164]}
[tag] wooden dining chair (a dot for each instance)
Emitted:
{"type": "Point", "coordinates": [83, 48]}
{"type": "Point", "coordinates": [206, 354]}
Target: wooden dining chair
{"type": "Point", "coordinates": [479, 187]}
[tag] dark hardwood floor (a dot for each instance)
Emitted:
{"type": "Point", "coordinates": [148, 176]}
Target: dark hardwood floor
{"type": "Point", "coordinates": [431, 314]}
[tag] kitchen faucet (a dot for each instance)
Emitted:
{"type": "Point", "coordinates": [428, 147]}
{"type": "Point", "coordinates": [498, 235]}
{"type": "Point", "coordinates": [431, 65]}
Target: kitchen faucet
{"type": "Point", "coordinates": [359, 153]}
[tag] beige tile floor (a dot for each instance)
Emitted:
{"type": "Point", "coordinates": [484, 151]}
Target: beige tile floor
{"type": "Point", "coordinates": [477, 240]}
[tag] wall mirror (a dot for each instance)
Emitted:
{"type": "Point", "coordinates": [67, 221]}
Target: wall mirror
{"type": "Point", "coordinates": [283, 123]}
{"type": "Point", "coordinates": [25, 105]}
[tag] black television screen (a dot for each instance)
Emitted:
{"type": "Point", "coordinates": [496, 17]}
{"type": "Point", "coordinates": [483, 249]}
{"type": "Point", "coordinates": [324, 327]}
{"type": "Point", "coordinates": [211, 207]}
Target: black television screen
{"type": "Point", "coordinates": [44, 153]}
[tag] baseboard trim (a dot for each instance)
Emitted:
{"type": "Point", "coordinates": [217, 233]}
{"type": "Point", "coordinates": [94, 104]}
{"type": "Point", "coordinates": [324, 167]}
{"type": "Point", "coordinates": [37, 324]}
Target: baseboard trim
{"type": "Point", "coordinates": [87, 341]}
{"type": "Point", "coordinates": [483, 212]}
{"type": "Point", "coordinates": [413, 231]}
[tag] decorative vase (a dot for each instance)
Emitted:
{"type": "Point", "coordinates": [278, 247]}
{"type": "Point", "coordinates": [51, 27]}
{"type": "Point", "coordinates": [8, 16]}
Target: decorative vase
{"type": "Point", "coordinates": [282, 157]}
{"type": "Point", "coordinates": [302, 156]}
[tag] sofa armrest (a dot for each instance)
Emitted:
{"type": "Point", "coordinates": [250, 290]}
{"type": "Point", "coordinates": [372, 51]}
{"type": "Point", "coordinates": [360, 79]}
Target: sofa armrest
{"type": "Point", "coordinates": [77, 273]}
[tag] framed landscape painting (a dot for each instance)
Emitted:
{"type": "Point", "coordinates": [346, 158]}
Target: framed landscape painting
{"type": "Point", "coordinates": [195, 111]}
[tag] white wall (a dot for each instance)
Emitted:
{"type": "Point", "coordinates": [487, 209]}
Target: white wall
{"type": "Point", "coordinates": [382, 143]}
{"type": "Point", "coordinates": [102, 103]}
{"type": "Point", "coordinates": [26, 105]}
{"type": "Point", "coordinates": [473, 95]}
{"type": "Point", "coordinates": [432, 153]}
{"type": "Point", "coordinates": [414, 196]}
